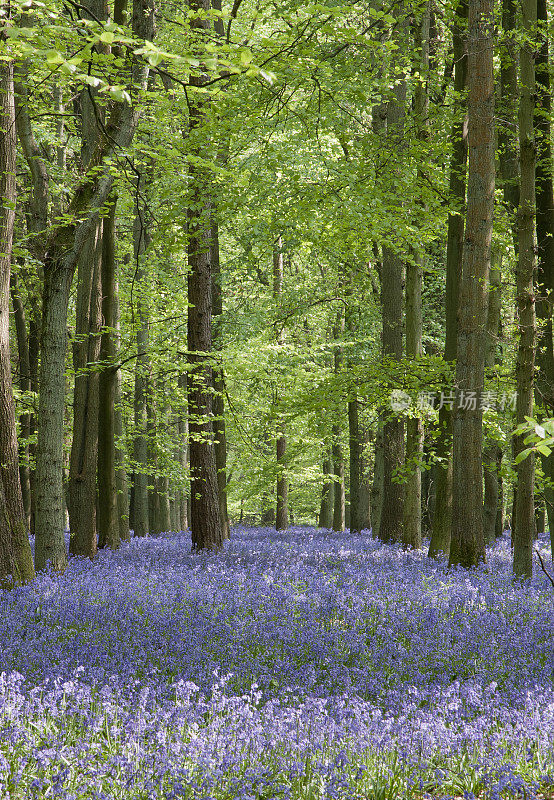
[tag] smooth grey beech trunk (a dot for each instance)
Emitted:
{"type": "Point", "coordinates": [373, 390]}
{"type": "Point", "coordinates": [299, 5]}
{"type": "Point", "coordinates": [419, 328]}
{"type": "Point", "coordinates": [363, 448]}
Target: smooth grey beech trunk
{"type": "Point", "coordinates": [207, 531]}
{"type": "Point", "coordinates": [392, 301]}
{"type": "Point", "coordinates": [37, 224]}
{"type": "Point", "coordinates": [141, 521]}
{"type": "Point", "coordinates": [525, 293]}
{"type": "Point", "coordinates": [442, 511]}
{"type": "Point", "coordinates": [325, 519]}
{"type": "Point", "coordinates": [81, 486]}
{"type": "Point", "coordinates": [107, 519]}
{"type": "Point", "coordinates": [467, 545]}
{"type": "Point", "coordinates": [281, 506]}
{"type": "Point", "coordinates": [81, 489]}
{"type": "Point", "coordinates": [63, 249]}
{"type": "Point", "coordinates": [544, 197]}
{"type": "Point", "coordinates": [16, 563]}
{"type": "Point", "coordinates": [492, 453]}
{"type": "Point", "coordinates": [219, 380]}
{"type": "Point", "coordinates": [25, 420]}
{"type": "Point", "coordinates": [339, 500]}
{"type": "Point", "coordinates": [411, 531]}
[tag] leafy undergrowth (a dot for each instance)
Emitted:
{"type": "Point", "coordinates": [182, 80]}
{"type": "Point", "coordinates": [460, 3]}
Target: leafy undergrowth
{"type": "Point", "coordinates": [299, 665]}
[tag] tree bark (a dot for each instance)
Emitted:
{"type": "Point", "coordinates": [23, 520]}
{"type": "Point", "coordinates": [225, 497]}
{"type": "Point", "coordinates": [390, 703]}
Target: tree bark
{"type": "Point", "coordinates": [492, 454]}
{"type": "Point", "coordinates": [325, 519]}
{"type": "Point", "coordinates": [358, 515]}
{"type": "Point", "coordinates": [544, 198]}
{"type": "Point", "coordinates": [281, 508]}
{"type": "Point", "coordinates": [411, 532]}
{"type": "Point", "coordinates": [183, 451]}
{"type": "Point", "coordinates": [392, 301]}
{"type": "Point", "coordinates": [81, 490]}
{"type": "Point", "coordinates": [442, 511]}
{"type": "Point", "coordinates": [141, 237]}
{"type": "Point", "coordinates": [525, 291]}
{"type": "Point", "coordinates": [25, 420]}
{"type": "Point", "coordinates": [339, 501]}
{"type": "Point", "coordinates": [108, 522]}
{"type": "Point", "coordinates": [207, 530]}
{"type": "Point", "coordinates": [63, 250]}
{"type": "Point", "coordinates": [219, 383]}
{"type": "Point", "coordinates": [467, 545]}
{"type": "Point", "coordinates": [377, 487]}
{"type": "Point", "coordinates": [16, 563]}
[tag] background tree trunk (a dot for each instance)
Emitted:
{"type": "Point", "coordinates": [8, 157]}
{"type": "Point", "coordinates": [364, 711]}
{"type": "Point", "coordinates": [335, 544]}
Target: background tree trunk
{"type": "Point", "coordinates": [325, 519]}
{"type": "Point", "coordinates": [281, 509]}
{"type": "Point", "coordinates": [544, 198]}
{"type": "Point", "coordinates": [205, 516]}
{"type": "Point", "coordinates": [219, 383]}
{"type": "Point", "coordinates": [16, 562]}
{"type": "Point", "coordinates": [442, 511]}
{"type": "Point", "coordinates": [525, 366]}
{"type": "Point", "coordinates": [107, 520]}
{"type": "Point", "coordinates": [339, 501]}
{"type": "Point", "coordinates": [467, 545]}
{"type": "Point", "coordinates": [392, 301]}
{"type": "Point", "coordinates": [492, 454]}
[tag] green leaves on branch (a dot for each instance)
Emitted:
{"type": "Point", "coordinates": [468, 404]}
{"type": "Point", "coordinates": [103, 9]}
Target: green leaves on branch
{"type": "Point", "coordinates": [540, 437]}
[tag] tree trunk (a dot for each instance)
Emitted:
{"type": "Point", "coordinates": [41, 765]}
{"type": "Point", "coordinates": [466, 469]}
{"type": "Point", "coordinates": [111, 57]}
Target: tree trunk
{"type": "Point", "coordinates": [525, 366]}
{"type": "Point", "coordinates": [81, 490]}
{"type": "Point", "coordinates": [357, 516]}
{"type": "Point", "coordinates": [25, 386]}
{"type": "Point", "coordinates": [141, 504]}
{"type": "Point", "coordinates": [392, 300]}
{"type": "Point", "coordinates": [508, 140]}
{"type": "Point", "coordinates": [219, 383]}
{"type": "Point", "coordinates": [16, 562]}
{"type": "Point", "coordinates": [281, 509]}
{"type": "Point", "coordinates": [442, 511]}
{"type": "Point", "coordinates": [122, 488]}
{"type": "Point", "coordinates": [339, 501]}
{"type": "Point", "coordinates": [467, 545]}
{"type": "Point", "coordinates": [411, 532]}
{"type": "Point", "coordinates": [544, 196]}
{"type": "Point", "coordinates": [377, 487]}
{"type": "Point", "coordinates": [107, 520]}
{"type": "Point", "coordinates": [492, 454]}
{"type": "Point", "coordinates": [63, 250]}
{"type": "Point", "coordinates": [207, 529]}
{"type": "Point", "coordinates": [183, 452]}
{"type": "Point", "coordinates": [325, 519]}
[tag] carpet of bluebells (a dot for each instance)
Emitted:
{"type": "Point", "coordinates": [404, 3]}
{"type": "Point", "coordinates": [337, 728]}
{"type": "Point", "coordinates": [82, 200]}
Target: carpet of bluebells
{"type": "Point", "coordinates": [300, 665]}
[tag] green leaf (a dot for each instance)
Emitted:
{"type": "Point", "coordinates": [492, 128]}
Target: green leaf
{"type": "Point", "coordinates": [54, 57]}
{"type": "Point", "coordinates": [523, 455]}
{"type": "Point", "coordinates": [245, 57]}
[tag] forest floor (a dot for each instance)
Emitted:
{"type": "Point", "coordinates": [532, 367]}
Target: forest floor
{"type": "Point", "coordinates": [308, 664]}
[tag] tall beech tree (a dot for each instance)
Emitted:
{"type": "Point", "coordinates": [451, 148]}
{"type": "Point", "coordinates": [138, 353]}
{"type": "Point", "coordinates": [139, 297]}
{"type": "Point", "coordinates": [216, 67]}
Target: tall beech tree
{"type": "Point", "coordinates": [468, 545]}
{"type": "Point", "coordinates": [207, 527]}
{"type": "Point", "coordinates": [525, 292]}
{"type": "Point", "coordinates": [544, 196]}
{"type": "Point", "coordinates": [442, 517]}
{"type": "Point", "coordinates": [392, 291]}
{"type": "Point", "coordinates": [16, 564]}
{"type": "Point", "coordinates": [282, 509]}
{"type": "Point", "coordinates": [81, 487]}
{"type": "Point", "coordinates": [64, 247]}
{"type": "Point", "coordinates": [411, 532]}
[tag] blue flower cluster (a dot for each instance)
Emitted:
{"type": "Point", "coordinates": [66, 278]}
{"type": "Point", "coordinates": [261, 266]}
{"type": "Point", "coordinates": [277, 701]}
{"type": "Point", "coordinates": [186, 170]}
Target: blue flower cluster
{"type": "Point", "coordinates": [305, 664]}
